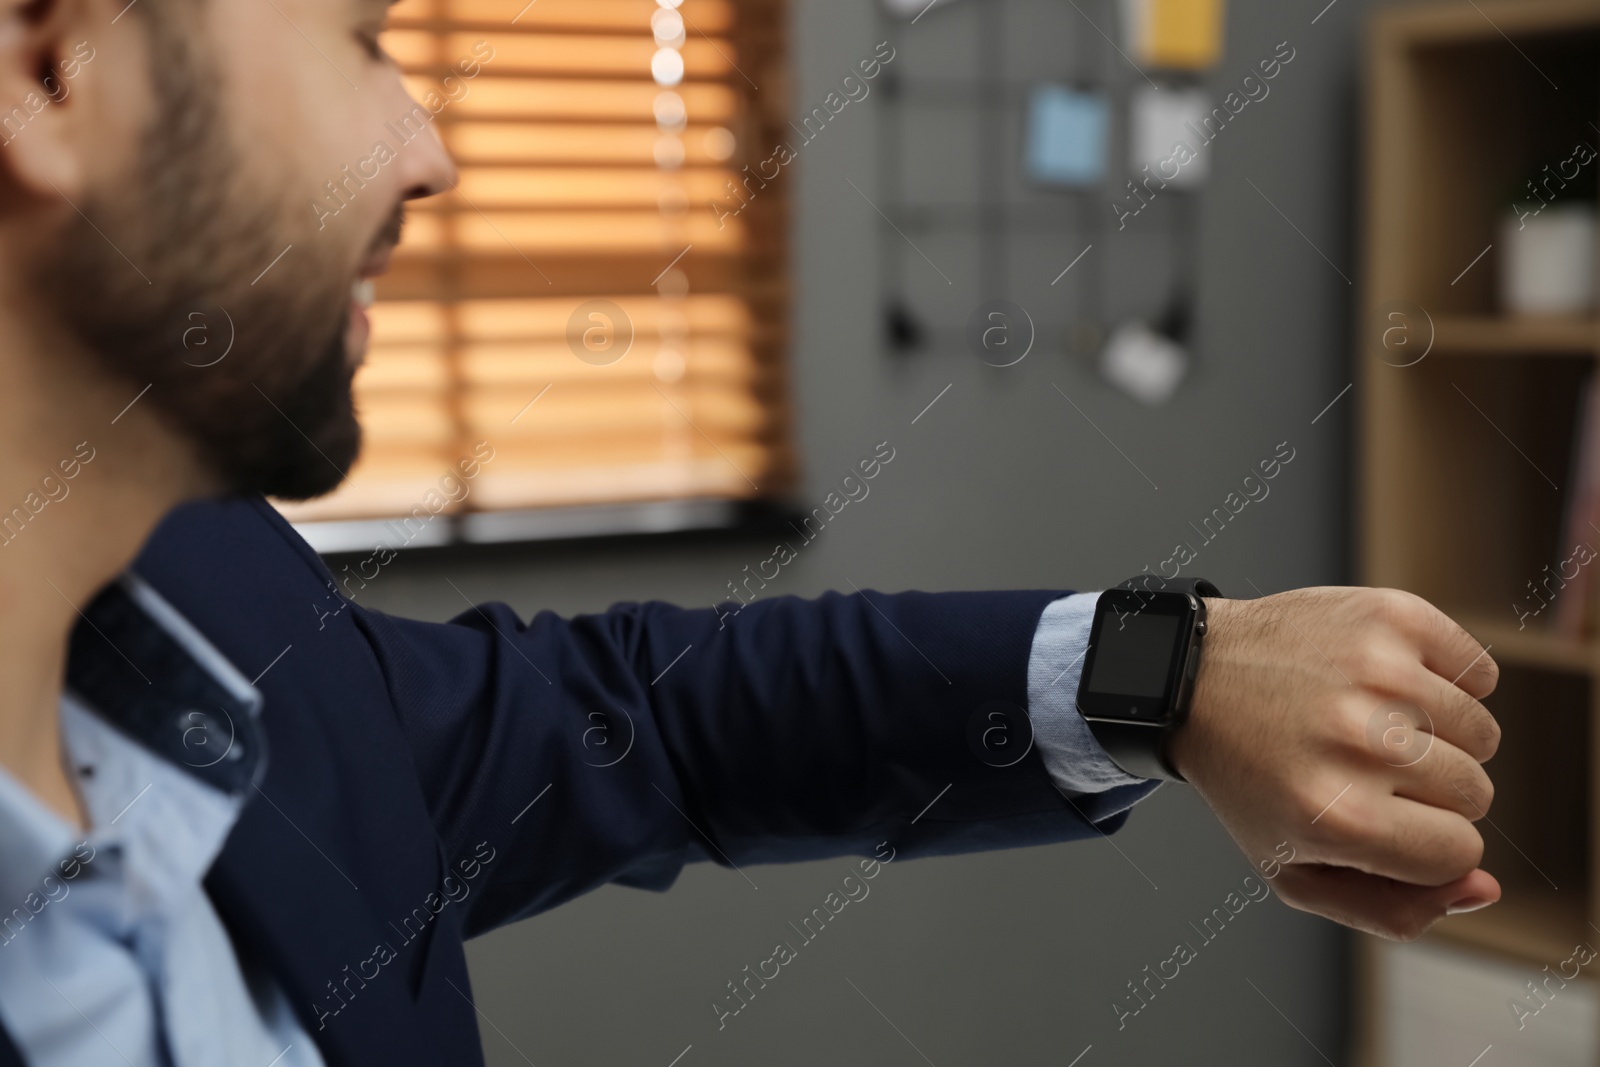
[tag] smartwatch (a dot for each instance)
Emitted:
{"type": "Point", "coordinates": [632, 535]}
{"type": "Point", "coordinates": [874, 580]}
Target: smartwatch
{"type": "Point", "coordinates": [1140, 668]}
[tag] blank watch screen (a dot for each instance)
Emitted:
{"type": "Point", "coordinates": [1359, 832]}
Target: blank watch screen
{"type": "Point", "coordinates": [1132, 658]}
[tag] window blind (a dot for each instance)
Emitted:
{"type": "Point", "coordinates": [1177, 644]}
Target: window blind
{"type": "Point", "coordinates": [593, 137]}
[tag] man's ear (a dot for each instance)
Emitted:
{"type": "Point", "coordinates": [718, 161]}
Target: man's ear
{"type": "Point", "coordinates": [44, 56]}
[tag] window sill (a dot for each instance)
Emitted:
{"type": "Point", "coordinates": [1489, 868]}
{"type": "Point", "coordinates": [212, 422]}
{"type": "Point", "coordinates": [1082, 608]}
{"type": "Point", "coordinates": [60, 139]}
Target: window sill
{"type": "Point", "coordinates": [582, 523]}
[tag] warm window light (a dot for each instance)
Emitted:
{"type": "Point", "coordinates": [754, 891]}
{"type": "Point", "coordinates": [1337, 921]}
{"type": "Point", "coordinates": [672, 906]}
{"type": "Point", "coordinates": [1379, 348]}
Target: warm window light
{"type": "Point", "coordinates": [670, 110]}
{"type": "Point", "coordinates": [669, 365]}
{"type": "Point", "coordinates": [669, 152]}
{"type": "Point", "coordinates": [719, 143]}
{"type": "Point", "coordinates": [667, 66]}
{"type": "Point", "coordinates": [673, 284]}
{"type": "Point", "coordinates": [667, 25]}
{"type": "Point", "coordinates": [674, 200]}
{"type": "Point", "coordinates": [589, 155]}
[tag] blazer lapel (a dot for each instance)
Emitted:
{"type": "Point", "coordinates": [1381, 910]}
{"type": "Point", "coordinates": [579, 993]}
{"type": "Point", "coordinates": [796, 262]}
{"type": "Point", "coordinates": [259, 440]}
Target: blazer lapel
{"type": "Point", "coordinates": [336, 848]}
{"type": "Point", "coordinates": [319, 937]}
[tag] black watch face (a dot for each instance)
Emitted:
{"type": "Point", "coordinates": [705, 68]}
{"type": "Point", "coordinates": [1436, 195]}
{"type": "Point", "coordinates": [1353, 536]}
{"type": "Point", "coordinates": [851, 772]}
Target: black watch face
{"type": "Point", "coordinates": [1138, 648]}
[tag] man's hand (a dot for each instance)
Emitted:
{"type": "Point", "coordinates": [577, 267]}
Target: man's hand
{"type": "Point", "coordinates": [1342, 728]}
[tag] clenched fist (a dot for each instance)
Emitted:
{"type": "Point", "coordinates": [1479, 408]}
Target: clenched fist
{"type": "Point", "coordinates": [1338, 735]}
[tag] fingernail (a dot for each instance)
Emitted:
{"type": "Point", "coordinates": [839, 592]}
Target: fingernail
{"type": "Point", "coordinates": [1461, 907]}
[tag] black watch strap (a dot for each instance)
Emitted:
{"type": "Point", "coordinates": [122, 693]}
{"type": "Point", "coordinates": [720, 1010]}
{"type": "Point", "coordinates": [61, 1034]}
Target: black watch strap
{"type": "Point", "coordinates": [1138, 748]}
{"type": "Point", "coordinates": [1150, 583]}
{"type": "Point", "coordinates": [1141, 748]}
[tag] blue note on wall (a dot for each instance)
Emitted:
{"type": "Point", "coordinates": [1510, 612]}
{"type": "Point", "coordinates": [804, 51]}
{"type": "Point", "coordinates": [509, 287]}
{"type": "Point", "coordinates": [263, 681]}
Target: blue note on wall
{"type": "Point", "coordinates": [1067, 136]}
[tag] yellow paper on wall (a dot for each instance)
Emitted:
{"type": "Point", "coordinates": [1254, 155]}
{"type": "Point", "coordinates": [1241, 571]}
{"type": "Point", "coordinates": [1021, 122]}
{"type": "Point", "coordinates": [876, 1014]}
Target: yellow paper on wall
{"type": "Point", "coordinates": [1181, 34]}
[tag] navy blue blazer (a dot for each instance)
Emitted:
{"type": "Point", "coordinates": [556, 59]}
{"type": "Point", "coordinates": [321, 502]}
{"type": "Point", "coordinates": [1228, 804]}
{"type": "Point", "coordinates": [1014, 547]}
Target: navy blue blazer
{"type": "Point", "coordinates": [428, 782]}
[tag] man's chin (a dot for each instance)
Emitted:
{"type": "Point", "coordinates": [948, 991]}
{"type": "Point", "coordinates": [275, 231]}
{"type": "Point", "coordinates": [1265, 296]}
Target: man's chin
{"type": "Point", "coordinates": [304, 470]}
{"type": "Point", "coordinates": [297, 444]}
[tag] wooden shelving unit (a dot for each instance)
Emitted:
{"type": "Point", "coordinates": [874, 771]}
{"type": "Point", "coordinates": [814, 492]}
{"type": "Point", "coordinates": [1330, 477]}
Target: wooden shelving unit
{"type": "Point", "coordinates": [1489, 335]}
{"type": "Point", "coordinates": [1465, 454]}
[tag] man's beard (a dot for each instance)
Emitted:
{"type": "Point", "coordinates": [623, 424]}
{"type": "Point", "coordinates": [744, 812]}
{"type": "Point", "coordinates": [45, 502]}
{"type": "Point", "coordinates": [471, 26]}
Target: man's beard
{"type": "Point", "coordinates": [190, 258]}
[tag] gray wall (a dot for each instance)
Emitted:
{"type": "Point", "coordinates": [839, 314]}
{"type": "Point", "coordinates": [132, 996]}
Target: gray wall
{"type": "Point", "coordinates": [1013, 957]}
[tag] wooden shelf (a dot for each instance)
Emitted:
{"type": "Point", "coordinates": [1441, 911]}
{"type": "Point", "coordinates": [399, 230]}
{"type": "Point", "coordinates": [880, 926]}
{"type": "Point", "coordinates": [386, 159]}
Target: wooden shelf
{"type": "Point", "coordinates": [1533, 646]}
{"type": "Point", "coordinates": [1466, 458]}
{"type": "Point", "coordinates": [1537, 926]}
{"type": "Point", "coordinates": [1437, 24]}
{"type": "Point", "coordinates": [1473, 335]}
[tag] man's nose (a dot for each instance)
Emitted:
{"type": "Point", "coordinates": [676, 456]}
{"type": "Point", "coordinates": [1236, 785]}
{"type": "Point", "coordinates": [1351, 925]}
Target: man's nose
{"type": "Point", "coordinates": [426, 168]}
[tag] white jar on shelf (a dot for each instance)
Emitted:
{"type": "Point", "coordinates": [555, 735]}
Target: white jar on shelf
{"type": "Point", "coordinates": [1547, 260]}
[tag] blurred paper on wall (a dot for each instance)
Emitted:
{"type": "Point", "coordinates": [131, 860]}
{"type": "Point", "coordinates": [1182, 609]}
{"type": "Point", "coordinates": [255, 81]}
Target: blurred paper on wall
{"type": "Point", "coordinates": [1143, 363]}
{"type": "Point", "coordinates": [1165, 135]}
{"type": "Point", "coordinates": [1067, 136]}
{"type": "Point", "coordinates": [1183, 34]}
{"type": "Point", "coordinates": [1173, 34]}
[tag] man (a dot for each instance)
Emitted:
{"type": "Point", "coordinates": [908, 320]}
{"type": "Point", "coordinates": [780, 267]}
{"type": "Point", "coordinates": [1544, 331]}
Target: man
{"type": "Point", "coordinates": [192, 877]}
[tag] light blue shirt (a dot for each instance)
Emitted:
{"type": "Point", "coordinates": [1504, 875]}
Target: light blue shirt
{"type": "Point", "coordinates": [111, 951]}
{"type": "Point", "coordinates": [1075, 760]}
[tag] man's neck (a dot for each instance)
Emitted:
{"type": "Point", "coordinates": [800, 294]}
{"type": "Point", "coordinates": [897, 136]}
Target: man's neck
{"type": "Point", "coordinates": [84, 480]}
{"type": "Point", "coordinates": [42, 589]}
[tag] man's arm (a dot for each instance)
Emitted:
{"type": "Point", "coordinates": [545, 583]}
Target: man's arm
{"type": "Point", "coordinates": [847, 718]}
{"type": "Point", "coordinates": [618, 746]}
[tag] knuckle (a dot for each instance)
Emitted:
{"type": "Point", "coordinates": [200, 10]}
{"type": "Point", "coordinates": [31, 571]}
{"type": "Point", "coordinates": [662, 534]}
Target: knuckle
{"type": "Point", "coordinates": [1368, 659]}
{"type": "Point", "coordinates": [1488, 733]}
{"type": "Point", "coordinates": [1304, 807]}
{"type": "Point", "coordinates": [1478, 791]}
{"type": "Point", "coordinates": [1461, 854]}
{"type": "Point", "coordinates": [1397, 605]}
{"type": "Point", "coordinates": [1347, 723]}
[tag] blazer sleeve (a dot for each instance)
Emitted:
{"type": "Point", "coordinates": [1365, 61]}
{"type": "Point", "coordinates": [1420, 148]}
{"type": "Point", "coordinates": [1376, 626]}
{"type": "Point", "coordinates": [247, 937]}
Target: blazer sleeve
{"type": "Point", "coordinates": [618, 746]}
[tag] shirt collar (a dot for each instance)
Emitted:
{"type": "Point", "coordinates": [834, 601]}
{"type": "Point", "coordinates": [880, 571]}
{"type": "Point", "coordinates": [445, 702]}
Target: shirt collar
{"type": "Point", "coordinates": [162, 825]}
{"type": "Point", "coordinates": [146, 670]}
{"type": "Point", "coordinates": [171, 732]}
{"type": "Point", "coordinates": [33, 839]}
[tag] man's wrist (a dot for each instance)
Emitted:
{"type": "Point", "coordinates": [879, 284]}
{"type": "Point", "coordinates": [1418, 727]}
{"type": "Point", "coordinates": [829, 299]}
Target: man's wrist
{"type": "Point", "coordinates": [1185, 744]}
